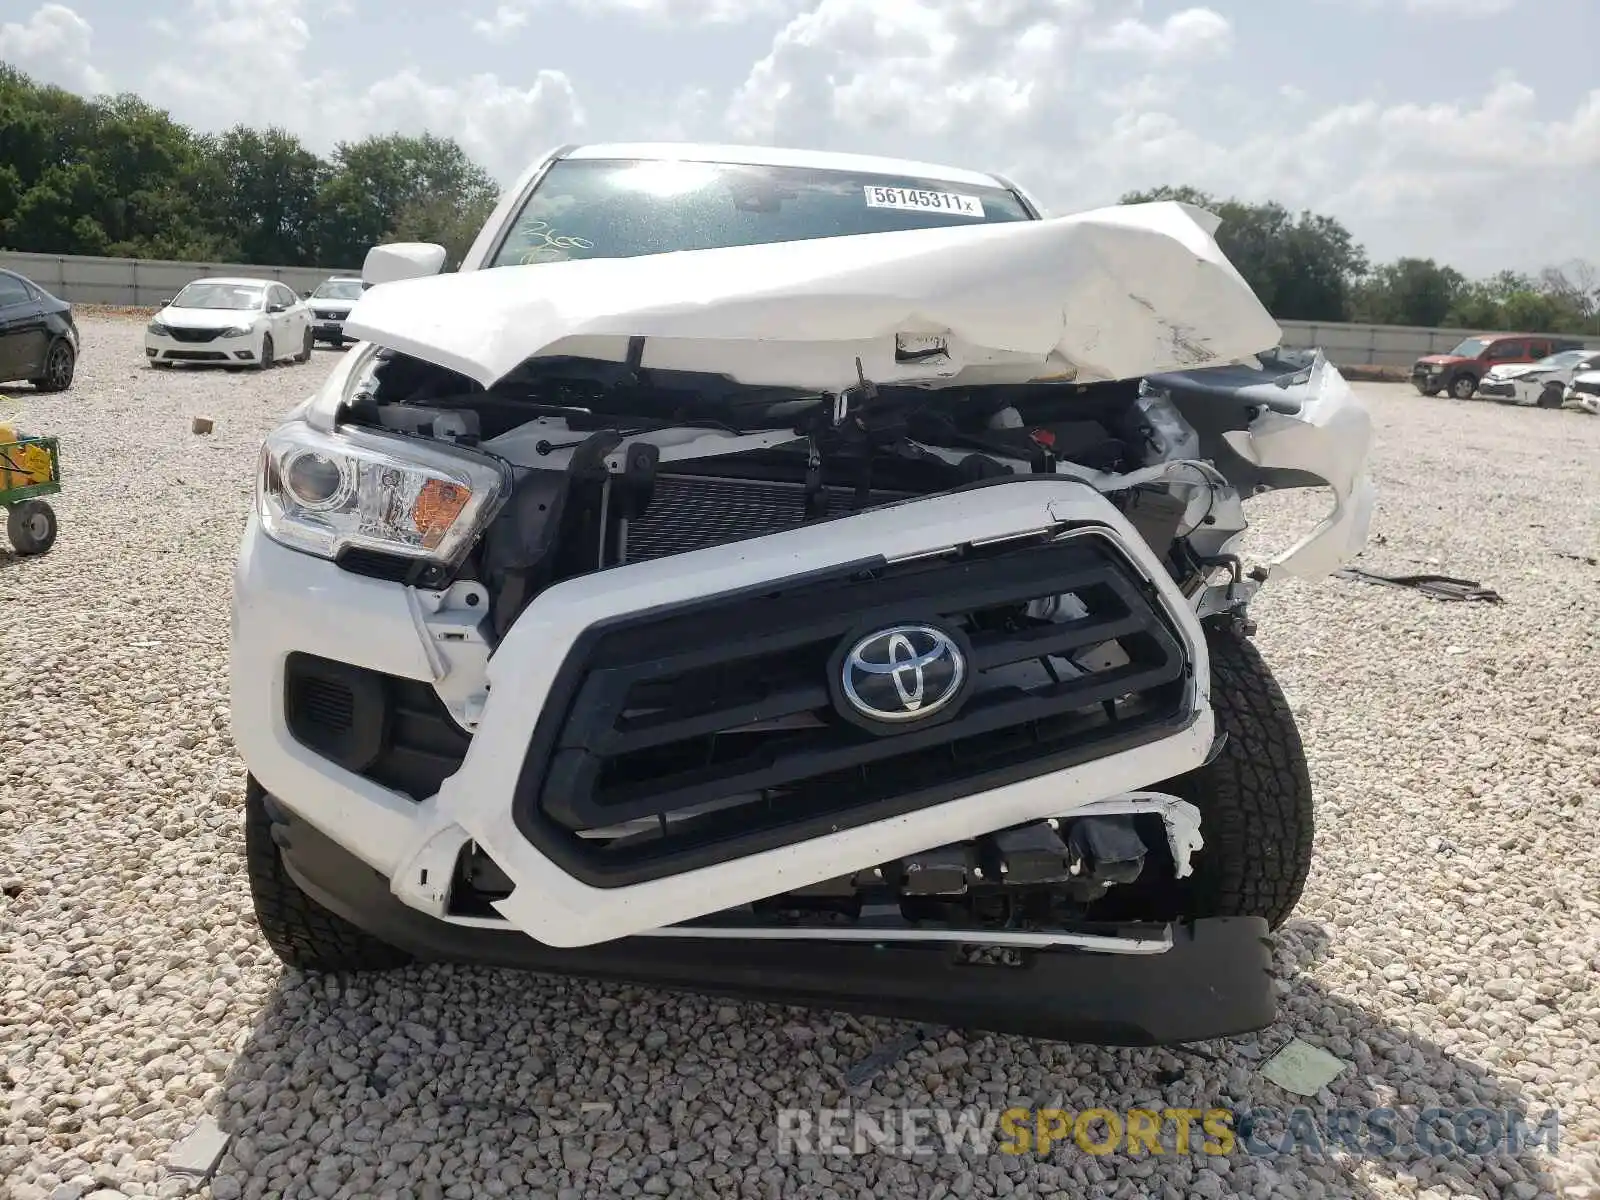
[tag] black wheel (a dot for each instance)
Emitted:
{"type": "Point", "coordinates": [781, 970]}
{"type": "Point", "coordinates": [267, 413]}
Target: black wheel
{"type": "Point", "coordinates": [300, 931]}
{"type": "Point", "coordinates": [1255, 807]}
{"type": "Point", "coordinates": [1553, 396]}
{"type": "Point", "coordinates": [1462, 387]}
{"type": "Point", "coordinates": [306, 347]}
{"type": "Point", "coordinates": [60, 362]}
{"type": "Point", "coordinates": [31, 525]}
{"type": "Point", "coordinates": [267, 352]}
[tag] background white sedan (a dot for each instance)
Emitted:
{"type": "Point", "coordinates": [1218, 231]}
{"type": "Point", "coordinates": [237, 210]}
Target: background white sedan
{"type": "Point", "coordinates": [230, 323]}
{"type": "Point", "coordinates": [1544, 383]}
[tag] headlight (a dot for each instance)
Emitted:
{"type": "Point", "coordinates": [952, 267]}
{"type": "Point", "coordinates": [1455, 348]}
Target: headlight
{"type": "Point", "coordinates": [325, 493]}
{"type": "Point", "coordinates": [157, 328]}
{"type": "Point", "coordinates": [1435, 368]}
{"type": "Point", "coordinates": [235, 331]}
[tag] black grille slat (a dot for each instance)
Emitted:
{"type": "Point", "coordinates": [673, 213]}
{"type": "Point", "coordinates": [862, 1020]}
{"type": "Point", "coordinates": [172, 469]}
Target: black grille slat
{"type": "Point", "coordinates": [650, 718]}
{"type": "Point", "coordinates": [193, 335]}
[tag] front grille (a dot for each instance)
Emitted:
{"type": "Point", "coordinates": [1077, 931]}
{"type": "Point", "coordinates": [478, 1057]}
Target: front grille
{"type": "Point", "coordinates": [393, 731]}
{"type": "Point", "coordinates": [321, 315]}
{"type": "Point", "coordinates": [691, 735]}
{"type": "Point", "coordinates": [192, 335]}
{"type": "Point", "coordinates": [196, 355]}
{"type": "Point", "coordinates": [688, 512]}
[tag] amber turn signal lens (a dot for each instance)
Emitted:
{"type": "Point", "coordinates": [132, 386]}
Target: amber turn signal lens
{"type": "Point", "coordinates": [437, 507]}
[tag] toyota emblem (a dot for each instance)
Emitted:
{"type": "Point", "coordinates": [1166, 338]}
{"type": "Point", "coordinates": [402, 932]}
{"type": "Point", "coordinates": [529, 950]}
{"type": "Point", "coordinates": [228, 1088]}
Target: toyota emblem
{"type": "Point", "coordinates": [904, 673]}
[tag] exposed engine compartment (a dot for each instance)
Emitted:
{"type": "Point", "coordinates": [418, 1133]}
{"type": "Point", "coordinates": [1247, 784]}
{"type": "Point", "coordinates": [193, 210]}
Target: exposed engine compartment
{"type": "Point", "coordinates": [615, 465]}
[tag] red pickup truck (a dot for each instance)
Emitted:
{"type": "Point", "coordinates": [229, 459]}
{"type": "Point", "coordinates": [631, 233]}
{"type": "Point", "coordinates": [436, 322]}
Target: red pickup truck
{"type": "Point", "coordinates": [1460, 371]}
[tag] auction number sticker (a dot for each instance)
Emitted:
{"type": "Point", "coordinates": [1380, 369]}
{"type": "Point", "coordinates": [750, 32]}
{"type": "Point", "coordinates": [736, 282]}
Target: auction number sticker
{"type": "Point", "coordinates": [916, 200]}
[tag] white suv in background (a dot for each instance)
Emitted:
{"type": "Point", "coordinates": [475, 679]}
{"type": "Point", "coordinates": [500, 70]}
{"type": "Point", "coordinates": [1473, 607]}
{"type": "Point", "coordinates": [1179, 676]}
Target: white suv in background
{"type": "Point", "coordinates": [233, 323]}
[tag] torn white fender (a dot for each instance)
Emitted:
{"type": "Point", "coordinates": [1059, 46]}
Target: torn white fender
{"type": "Point", "coordinates": [1329, 438]}
{"type": "Point", "coordinates": [1116, 293]}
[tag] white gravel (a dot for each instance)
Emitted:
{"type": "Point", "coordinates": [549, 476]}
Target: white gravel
{"type": "Point", "coordinates": [1447, 944]}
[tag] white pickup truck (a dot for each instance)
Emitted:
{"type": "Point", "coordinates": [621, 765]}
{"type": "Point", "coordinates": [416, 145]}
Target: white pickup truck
{"type": "Point", "coordinates": [798, 576]}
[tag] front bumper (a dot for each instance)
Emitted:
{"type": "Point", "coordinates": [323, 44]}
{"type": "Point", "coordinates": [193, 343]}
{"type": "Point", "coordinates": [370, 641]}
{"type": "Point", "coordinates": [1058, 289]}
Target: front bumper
{"type": "Point", "coordinates": [1425, 379]}
{"type": "Point", "coordinates": [1215, 981]}
{"type": "Point", "coordinates": [234, 351]}
{"type": "Point", "coordinates": [287, 603]}
{"type": "Point", "coordinates": [328, 329]}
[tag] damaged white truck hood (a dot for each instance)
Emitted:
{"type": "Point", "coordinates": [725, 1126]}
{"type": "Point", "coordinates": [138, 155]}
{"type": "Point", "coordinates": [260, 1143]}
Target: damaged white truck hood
{"type": "Point", "coordinates": [1115, 293]}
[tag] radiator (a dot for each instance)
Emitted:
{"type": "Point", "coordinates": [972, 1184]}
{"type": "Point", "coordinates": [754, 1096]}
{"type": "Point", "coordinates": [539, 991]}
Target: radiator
{"type": "Point", "coordinates": [690, 512]}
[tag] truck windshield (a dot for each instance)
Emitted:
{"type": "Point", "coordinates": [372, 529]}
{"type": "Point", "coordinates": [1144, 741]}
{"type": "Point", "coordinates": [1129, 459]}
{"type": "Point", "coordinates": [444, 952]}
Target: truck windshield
{"type": "Point", "coordinates": [1470, 348]}
{"type": "Point", "coordinates": [612, 208]}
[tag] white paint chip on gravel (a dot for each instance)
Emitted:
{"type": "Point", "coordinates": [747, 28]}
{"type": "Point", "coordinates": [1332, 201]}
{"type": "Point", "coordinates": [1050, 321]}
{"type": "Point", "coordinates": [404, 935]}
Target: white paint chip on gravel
{"type": "Point", "coordinates": [137, 998]}
{"type": "Point", "coordinates": [1302, 1068]}
{"type": "Point", "coordinates": [200, 1150]}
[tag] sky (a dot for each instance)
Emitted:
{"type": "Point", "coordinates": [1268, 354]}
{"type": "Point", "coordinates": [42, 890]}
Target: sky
{"type": "Point", "coordinates": [1463, 130]}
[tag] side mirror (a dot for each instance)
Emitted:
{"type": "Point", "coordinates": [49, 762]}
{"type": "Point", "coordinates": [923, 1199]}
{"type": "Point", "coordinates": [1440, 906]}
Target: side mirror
{"type": "Point", "coordinates": [305, 295]}
{"type": "Point", "coordinates": [402, 260]}
{"type": "Point", "coordinates": [164, 301]}
{"type": "Point", "coordinates": [277, 308]}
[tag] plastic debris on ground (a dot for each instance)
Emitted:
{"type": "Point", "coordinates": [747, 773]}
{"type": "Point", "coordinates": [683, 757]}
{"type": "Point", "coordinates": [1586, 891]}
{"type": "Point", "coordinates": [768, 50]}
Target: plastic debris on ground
{"type": "Point", "coordinates": [1439, 587]}
{"type": "Point", "coordinates": [1302, 1068]}
{"type": "Point", "coordinates": [198, 1152]}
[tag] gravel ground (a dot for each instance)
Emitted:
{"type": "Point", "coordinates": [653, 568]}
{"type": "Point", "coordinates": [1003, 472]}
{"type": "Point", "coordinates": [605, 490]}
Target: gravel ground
{"type": "Point", "coordinates": [1446, 946]}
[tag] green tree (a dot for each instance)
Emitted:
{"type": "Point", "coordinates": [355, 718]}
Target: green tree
{"type": "Point", "coordinates": [270, 194]}
{"type": "Point", "coordinates": [1408, 291]}
{"type": "Point", "coordinates": [377, 181]}
{"type": "Point", "coordinates": [1303, 266]}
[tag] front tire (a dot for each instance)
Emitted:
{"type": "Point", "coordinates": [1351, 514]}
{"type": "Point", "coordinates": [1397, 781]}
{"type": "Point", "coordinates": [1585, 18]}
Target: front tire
{"type": "Point", "coordinates": [1553, 396]}
{"type": "Point", "coordinates": [1463, 386]}
{"type": "Point", "coordinates": [306, 348]}
{"type": "Point", "coordinates": [301, 932]}
{"type": "Point", "coordinates": [1254, 797]}
{"type": "Point", "coordinates": [267, 353]}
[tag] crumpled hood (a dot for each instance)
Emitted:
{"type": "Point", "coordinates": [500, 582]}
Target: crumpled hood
{"type": "Point", "coordinates": [1112, 294]}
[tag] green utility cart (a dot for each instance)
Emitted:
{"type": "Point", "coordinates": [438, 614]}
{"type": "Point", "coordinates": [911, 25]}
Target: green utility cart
{"type": "Point", "coordinates": [30, 469]}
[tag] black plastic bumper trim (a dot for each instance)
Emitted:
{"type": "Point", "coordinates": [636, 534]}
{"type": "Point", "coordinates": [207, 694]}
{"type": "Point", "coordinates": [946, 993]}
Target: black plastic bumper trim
{"type": "Point", "coordinates": [1216, 981]}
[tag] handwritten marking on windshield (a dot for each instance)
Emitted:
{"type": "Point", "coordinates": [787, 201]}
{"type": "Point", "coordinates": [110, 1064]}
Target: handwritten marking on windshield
{"type": "Point", "coordinates": [540, 236]}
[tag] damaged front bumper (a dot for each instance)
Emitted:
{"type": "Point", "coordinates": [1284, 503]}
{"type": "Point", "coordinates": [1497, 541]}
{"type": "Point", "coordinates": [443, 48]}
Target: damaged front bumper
{"type": "Point", "coordinates": [530, 772]}
{"type": "Point", "coordinates": [1213, 980]}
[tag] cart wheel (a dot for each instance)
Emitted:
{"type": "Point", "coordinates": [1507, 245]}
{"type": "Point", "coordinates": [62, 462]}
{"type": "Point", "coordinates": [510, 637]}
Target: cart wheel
{"type": "Point", "coordinates": [32, 526]}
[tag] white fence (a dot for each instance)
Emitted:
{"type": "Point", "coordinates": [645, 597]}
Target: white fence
{"type": "Point", "coordinates": [141, 282]}
{"type": "Point", "coordinates": [150, 281]}
{"type": "Point", "coordinates": [1379, 345]}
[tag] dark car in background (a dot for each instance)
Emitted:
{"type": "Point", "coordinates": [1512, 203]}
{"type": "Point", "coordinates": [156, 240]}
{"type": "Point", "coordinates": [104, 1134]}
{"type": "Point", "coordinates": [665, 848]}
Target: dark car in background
{"type": "Point", "coordinates": [1459, 372]}
{"type": "Point", "coordinates": [38, 337]}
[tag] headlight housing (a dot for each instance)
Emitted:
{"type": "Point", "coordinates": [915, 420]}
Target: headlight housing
{"type": "Point", "coordinates": [235, 331]}
{"type": "Point", "coordinates": [157, 328]}
{"type": "Point", "coordinates": [326, 493]}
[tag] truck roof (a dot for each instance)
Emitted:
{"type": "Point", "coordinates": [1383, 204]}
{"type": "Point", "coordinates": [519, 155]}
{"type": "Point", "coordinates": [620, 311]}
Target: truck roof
{"type": "Point", "coordinates": [772, 156]}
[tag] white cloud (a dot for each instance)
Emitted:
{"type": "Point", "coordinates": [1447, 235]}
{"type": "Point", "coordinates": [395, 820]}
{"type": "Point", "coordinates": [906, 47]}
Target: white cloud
{"type": "Point", "coordinates": [249, 68]}
{"type": "Point", "coordinates": [1192, 33]}
{"type": "Point", "coordinates": [1437, 8]}
{"type": "Point", "coordinates": [505, 19]}
{"type": "Point", "coordinates": [53, 46]}
{"type": "Point", "coordinates": [511, 15]}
